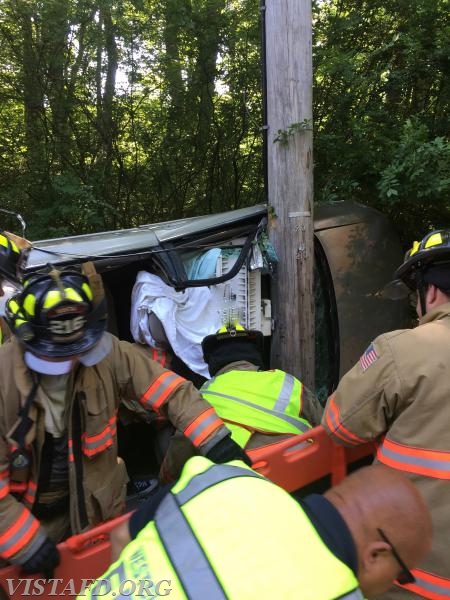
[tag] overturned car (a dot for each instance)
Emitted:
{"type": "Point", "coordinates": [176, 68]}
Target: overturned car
{"type": "Point", "coordinates": [356, 253]}
{"type": "Point", "coordinates": [191, 275]}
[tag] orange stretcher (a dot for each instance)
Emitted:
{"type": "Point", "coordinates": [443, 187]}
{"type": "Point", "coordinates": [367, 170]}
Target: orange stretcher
{"type": "Point", "coordinates": [292, 463]}
{"type": "Point", "coordinates": [303, 459]}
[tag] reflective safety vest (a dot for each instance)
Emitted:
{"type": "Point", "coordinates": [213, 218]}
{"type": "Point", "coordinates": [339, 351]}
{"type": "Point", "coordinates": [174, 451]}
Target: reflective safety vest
{"type": "Point", "coordinates": [264, 401]}
{"type": "Point", "coordinates": [226, 532]}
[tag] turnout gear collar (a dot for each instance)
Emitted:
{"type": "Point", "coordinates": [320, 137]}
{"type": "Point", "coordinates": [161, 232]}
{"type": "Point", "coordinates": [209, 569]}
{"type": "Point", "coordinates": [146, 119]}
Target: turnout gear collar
{"type": "Point", "coordinates": [231, 351]}
{"type": "Point", "coordinates": [54, 316]}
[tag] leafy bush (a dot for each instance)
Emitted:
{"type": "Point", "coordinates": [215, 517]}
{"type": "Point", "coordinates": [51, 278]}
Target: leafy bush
{"type": "Point", "coordinates": [414, 188]}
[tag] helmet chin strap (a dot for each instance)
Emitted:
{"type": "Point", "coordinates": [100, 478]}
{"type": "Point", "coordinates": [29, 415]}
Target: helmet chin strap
{"type": "Point", "coordinates": [422, 290]}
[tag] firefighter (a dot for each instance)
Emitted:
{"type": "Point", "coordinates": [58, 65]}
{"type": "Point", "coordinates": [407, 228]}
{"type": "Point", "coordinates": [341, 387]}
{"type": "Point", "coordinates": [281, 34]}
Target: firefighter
{"type": "Point", "coordinates": [224, 531]}
{"type": "Point", "coordinates": [62, 378]}
{"type": "Point", "coordinates": [260, 407]}
{"type": "Point", "coordinates": [398, 394]}
{"type": "Point", "coordinates": [10, 259]}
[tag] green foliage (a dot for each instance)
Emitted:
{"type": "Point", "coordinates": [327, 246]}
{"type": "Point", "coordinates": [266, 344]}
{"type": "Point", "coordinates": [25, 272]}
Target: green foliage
{"type": "Point", "coordinates": [379, 65]}
{"type": "Point", "coordinates": [415, 186]}
{"type": "Point", "coordinates": [69, 207]}
{"type": "Point", "coordinates": [284, 135]}
{"type": "Point", "coordinates": [118, 114]}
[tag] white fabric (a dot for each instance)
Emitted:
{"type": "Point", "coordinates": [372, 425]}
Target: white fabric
{"type": "Point", "coordinates": [187, 317]}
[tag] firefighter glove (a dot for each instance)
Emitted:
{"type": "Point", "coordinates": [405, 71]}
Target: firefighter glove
{"type": "Point", "coordinates": [227, 449]}
{"type": "Point", "coordinates": [44, 560]}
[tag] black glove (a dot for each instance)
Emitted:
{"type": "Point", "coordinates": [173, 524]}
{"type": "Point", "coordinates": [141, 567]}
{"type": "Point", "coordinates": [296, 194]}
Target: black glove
{"type": "Point", "coordinates": [227, 450]}
{"type": "Point", "coordinates": [44, 560]}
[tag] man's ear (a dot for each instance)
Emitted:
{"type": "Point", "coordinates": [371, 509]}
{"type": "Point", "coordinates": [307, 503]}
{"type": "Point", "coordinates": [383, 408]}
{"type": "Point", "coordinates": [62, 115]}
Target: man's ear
{"type": "Point", "coordinates": [373, 554]}
{"type": "Point", "coordinates": [432, 295]}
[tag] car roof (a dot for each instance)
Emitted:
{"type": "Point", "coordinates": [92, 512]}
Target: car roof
{"type": "Point", "coordinates": [125, 244]}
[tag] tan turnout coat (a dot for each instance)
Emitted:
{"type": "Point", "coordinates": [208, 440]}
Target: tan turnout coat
{"type": "Point", "coordinates": [399, 393]}
{"type": "Point", "coordinates": [97, 477]}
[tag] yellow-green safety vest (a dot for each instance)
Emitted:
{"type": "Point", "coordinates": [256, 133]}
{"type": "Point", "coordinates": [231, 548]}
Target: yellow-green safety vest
{"type": "Point", "coordinates": [267, 401]}
{"type": "Point", "coordinates": [225, 532]}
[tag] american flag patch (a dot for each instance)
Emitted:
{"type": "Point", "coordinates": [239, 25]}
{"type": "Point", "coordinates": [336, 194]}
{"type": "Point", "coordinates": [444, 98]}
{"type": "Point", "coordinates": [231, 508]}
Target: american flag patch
{"type": "Point", "coordinates": [368, 358]}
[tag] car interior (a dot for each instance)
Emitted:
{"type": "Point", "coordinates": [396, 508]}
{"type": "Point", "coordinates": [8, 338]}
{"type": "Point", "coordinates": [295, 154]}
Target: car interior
{"type": "Point", "coordinates": [142, 444]}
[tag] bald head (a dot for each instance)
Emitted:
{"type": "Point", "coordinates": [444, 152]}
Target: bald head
{"type": "Point", "coordinates": [374, 498]}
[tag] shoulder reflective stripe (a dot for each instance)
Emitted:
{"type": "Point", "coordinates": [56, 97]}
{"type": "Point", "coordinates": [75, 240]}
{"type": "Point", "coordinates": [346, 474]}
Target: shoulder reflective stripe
{"type": "Point", "coordinates": [428, 585]}
{"type": "Point", "coordinates": [333, 421]}
{"type": "Point", "coordinates": [160, 390]}
{"type": "Point", "coordinates": [431, 463]}
{"type": "Point", "coordinates": [201, 427]}
{"type": "Point", "coordinates": [185, 553]}
{"type": "Point", "coordinates": [296, 422]}
{"type": "Point", "coordinates": [285, 393]}
{"type": "Point", "coordinates": [207, 384]}
{"type": "Point", "coordinates": [215, 474]}
{"type": "Point", "coordinates": [355, 595]}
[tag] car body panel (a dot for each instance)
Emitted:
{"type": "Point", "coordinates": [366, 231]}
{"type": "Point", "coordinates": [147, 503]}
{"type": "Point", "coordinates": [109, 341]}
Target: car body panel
{"type": "Point", "coordinates": [362, 256]}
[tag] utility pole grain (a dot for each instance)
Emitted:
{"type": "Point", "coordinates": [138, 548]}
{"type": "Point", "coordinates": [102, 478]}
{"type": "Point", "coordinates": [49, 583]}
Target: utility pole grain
{"type": "Point", "coordinates": [288, 39]}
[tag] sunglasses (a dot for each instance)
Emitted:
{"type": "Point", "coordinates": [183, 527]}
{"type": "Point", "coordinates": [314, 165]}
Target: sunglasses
{"type": "Point", "coordinates": [405, 576]}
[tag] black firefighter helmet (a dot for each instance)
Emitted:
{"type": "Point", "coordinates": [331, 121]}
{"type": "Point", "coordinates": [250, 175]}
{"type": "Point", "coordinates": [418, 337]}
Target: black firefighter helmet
{"type": "Point", "coordinates": [428, 261]}
{"type": "Point", "coordinates": [231, 344]}
{"type": "Point", "coordinates": [10, 256]}
{"type": "Point", "coordinates": [55, 316]}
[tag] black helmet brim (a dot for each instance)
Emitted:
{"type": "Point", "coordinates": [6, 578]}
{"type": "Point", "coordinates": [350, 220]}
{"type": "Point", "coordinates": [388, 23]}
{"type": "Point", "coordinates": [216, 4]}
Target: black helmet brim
{"type": "Point", "coordinates": [409, 271]}
{"type": "Point", "coordinates": [213, 341]}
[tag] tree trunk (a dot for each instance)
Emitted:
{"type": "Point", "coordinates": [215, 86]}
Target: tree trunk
{"type": "Point", "coordinates": [33, 100]}
{"type": "Point", "coordinates": [55, 26]}
{"type": "Point", "coordinates": [106, 83]}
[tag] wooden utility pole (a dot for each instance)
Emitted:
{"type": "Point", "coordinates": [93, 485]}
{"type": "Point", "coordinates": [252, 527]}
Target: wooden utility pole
{"type": "Point", "coordinates": [288, 74]}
